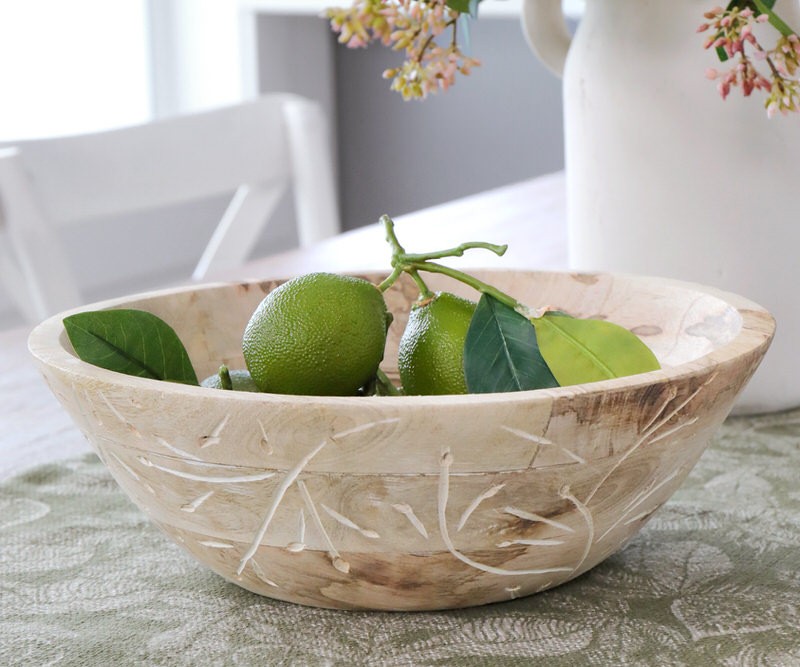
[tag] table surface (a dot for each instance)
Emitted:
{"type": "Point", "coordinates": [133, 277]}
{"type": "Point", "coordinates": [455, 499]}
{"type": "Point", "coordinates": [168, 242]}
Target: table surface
{"type": "Point", "coordinates": [87, 580]}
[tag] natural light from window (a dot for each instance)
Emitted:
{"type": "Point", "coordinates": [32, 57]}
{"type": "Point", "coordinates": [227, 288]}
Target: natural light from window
{"type": "Point", "coordinates": [72, 66]}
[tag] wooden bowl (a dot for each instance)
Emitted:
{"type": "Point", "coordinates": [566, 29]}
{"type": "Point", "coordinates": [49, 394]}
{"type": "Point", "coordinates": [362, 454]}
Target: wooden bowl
{"type": "Point", "coordinates": [412, 503]}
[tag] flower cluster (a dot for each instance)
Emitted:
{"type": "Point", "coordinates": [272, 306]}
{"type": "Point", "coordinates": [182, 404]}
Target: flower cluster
{"type": "Point", "coordinates": [427, 31]}
{"type": "Point", "coordinates": [733, 36]}
{"type": "Point", "coordinates": [415, 27]}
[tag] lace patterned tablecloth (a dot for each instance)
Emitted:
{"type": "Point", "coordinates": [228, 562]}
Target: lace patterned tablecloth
{"type": "Point", "coordinates": [713, 579]}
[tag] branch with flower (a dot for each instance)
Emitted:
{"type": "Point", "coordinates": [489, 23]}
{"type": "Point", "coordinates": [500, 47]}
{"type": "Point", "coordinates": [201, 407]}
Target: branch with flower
{"type": "Point", "coordinates": [732, 35]}
{"type": "Point", "coordinates": [427, 32]}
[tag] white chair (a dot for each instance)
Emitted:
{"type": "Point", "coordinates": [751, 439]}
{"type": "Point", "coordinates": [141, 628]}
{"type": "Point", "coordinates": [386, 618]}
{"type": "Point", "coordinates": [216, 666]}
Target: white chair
{"type": "Point", "coordinates": [255, 149]}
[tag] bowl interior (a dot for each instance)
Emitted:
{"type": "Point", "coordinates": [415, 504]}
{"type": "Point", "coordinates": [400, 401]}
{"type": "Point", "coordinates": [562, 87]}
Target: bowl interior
{"type": "Point", "coordinates": [679, 322]}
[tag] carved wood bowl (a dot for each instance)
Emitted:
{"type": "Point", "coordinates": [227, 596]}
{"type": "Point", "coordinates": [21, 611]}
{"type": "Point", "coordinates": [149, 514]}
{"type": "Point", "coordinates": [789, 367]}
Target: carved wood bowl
{"type": "Point", "coordinates": [412, 503]}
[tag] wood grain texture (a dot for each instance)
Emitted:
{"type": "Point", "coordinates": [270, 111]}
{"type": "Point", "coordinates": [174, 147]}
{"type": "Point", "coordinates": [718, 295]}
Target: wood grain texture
{"type": "Point", "coordinates": [414, 502]}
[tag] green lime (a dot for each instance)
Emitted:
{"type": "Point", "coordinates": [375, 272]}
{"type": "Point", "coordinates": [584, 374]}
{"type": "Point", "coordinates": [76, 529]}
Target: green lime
{"type": "Point", "coordinates": [240, 379]}
{"type": "Point", "coordinates": [431, 353]}
{"type": "Point", "coordinates": [319, 334]}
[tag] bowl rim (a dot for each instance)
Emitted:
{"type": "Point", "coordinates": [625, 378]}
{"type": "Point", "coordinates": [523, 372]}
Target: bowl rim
{"type": "Point", "coordinates": [756, 332]}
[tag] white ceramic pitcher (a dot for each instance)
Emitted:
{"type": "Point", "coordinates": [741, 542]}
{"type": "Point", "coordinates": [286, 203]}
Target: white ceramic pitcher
{"type": "Point", "coordinates": [664, 178]}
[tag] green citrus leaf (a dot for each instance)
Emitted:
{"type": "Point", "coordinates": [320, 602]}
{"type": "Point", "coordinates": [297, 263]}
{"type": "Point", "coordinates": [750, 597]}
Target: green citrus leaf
{"type": "Point", "coordinates": [501, 353]}
{"type": "Point", "coordinates": [133, 342]}
{"type": "Point", "coordinates": [464, 6]}
{"type": "Point", "coordinates": [579, 351]}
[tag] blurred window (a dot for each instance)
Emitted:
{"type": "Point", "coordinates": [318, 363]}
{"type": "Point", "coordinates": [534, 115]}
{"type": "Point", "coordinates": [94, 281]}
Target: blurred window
{"type": "Point", "coordinates": [71, 66]}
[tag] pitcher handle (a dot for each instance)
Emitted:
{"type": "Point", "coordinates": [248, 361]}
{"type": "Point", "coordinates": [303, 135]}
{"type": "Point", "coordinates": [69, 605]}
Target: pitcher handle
{"type": "Point", "coordinates": [546, 31]}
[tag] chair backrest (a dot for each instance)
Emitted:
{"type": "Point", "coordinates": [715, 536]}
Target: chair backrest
{"type": "Point", "coordinates": [256, 149]}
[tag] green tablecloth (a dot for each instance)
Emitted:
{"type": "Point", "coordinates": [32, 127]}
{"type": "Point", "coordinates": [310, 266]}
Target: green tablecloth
{"type": "Point", "coordinates": [713, 579]}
